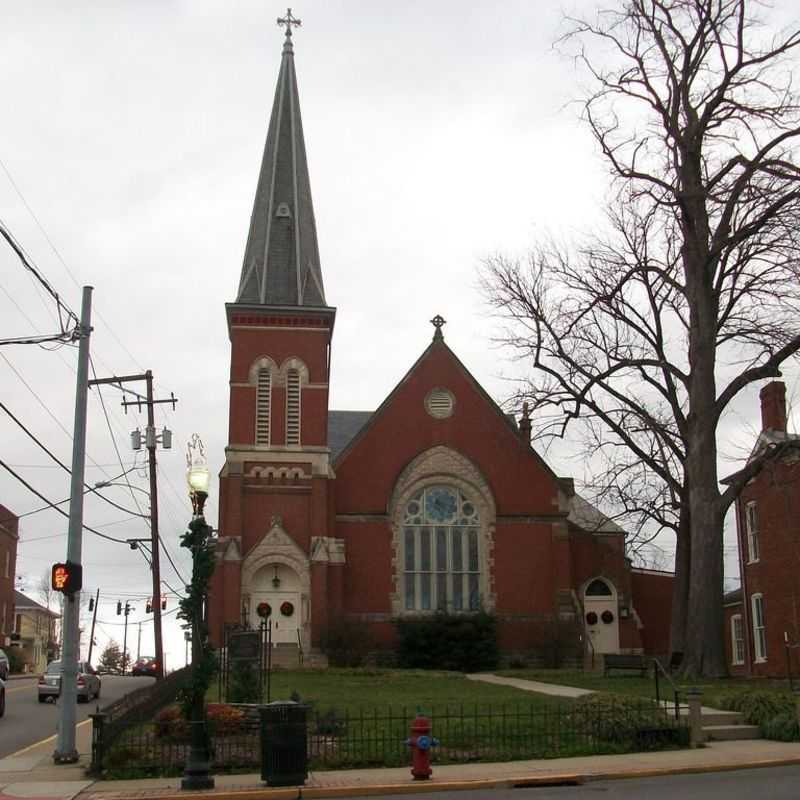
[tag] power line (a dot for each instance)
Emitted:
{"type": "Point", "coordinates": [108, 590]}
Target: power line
{"type": "Point", "coordinates": [54, 506]}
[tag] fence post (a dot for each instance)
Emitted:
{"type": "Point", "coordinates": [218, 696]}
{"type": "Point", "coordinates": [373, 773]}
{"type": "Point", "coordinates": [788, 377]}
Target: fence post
{"type": "Point", "coordinates": [696, 737]}
{"type": "Point", "coordinates": [98, 743]}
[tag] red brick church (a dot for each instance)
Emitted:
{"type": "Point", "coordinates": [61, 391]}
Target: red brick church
{"type": "Point", "coordinates": [435, 501]}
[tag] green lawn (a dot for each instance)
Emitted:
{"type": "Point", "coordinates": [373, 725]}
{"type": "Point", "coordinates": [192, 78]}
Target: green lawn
{"type": "Point", "coordinates": [360, 690]}
{"type": "Point", "coordinates": [633, 685]}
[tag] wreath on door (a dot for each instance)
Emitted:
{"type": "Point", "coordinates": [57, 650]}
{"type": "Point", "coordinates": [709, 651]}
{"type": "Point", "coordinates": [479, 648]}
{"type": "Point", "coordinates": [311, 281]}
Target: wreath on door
{"type": "Point", "coordinates": [263, 610]}
{"type": "Point", "coordinates": [607, 617]}
{"type": "Point", "coordinates": [287, 608]}
{"type": "Point", "coordinates": [591, 618]}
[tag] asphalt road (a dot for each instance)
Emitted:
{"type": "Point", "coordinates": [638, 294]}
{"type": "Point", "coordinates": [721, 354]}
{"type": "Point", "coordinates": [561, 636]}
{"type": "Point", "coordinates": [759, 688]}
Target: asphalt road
{"type": "Point", "coordinates": [27, 721]}
{"type": "Point", "coordinates": [776, 783]}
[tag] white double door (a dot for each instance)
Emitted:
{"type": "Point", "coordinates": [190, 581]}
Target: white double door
{"type": "Point", "coordinates": [284, 614]}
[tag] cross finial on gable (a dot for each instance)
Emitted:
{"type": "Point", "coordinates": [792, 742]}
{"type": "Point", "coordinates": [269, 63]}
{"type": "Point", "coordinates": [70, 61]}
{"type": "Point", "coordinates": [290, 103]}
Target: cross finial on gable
{"type": "Point", "coordinates": [288, 21]}
{"type": "Point", "coordinates": [437, 323]}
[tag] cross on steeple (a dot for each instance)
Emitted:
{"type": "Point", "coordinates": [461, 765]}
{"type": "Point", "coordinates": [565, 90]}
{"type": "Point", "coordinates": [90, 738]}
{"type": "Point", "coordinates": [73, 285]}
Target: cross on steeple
{"type": "Point", "coordinates": [437, 323]}
{"type": "Point", "coordinates": [288, 21]}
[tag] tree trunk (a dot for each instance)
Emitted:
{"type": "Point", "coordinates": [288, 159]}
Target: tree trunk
{"type": "Point", "coordinates": [680, 585]}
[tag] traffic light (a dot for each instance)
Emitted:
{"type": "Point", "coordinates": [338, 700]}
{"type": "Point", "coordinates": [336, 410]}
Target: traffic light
{"type": "Point", "coordinates": [148, 609]}
{"type": "Point", "coordinates": [66, 577]}
{"type": "Point", "coordinates": [119, 607]}
{"type": "Point", "coordinates": [163, 603]}
{"type": "Point", "coordinates": [91, 604]}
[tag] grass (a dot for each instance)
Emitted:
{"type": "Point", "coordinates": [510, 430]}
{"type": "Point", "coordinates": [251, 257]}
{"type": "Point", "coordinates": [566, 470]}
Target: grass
{"type": "Point", "coordinates": [357, 690]}
{"type": "Point", "coordinates": [632, 685]}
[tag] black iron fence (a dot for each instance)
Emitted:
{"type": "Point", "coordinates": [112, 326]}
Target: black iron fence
{"type": "Point", "coordinates": [378, 738]}
{"type": "Point", "coordinates": [135, 709]}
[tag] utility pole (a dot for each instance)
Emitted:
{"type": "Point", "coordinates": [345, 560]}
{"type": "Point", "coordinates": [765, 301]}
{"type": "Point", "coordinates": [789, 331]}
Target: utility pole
{"type": "Point", "coordinates": [151, 439]}
{"type": "Point", "coordinates": [125, 638]}
{"type": "Point", "coordinates": [66, 752]}
{"type": "Point", "coordinates": [94, 620]}
{"type": "Point", "coordinates": [139, 643]}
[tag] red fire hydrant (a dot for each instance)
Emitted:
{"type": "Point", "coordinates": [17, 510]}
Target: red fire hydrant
{"type": "Point", "coordinates": [420, 743]}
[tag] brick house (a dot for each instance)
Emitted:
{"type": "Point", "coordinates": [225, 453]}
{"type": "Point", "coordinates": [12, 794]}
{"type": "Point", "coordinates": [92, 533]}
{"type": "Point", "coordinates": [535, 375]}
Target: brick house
{"type": "Point", "coordinates": [9, 536]}
{"type": "Point", "coordinates": [436, 500]}
{"type": "Point", "coordinates": [34, 633]}
{"type": "Point", "coordinates": [763, 616]}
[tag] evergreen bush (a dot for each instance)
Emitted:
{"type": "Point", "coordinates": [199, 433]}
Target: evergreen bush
{"type": "Point", "coordinates": [346, 643]}
{"type": "Point", "coordinates": [459, 642]}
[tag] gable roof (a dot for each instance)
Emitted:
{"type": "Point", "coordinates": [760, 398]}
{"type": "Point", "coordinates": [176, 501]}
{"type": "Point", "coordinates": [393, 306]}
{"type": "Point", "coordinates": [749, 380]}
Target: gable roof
{"type": "Point", "coordinates": [586, 516]}
{"type": "Point", "coordinates": [438, 342]}
{"type": "Point", "coordinates": [23, 601]}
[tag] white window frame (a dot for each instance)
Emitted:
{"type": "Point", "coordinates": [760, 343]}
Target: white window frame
{"type": "Point", "coordinates": [737, 640]}
{"type": "Point", "coordinates": [751, 529]}
{"type": "Point", "coordinates": [759, 628]}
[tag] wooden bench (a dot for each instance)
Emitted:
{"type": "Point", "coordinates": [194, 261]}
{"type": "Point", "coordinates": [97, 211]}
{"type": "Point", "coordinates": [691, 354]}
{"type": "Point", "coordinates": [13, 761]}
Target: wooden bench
{"type": "Point", "coordinates": [627, 663]}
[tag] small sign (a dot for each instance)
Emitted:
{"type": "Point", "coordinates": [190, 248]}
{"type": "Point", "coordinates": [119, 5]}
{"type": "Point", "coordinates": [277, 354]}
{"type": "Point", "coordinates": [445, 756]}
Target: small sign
{"type": "Point", "coordinates": [244, 646]}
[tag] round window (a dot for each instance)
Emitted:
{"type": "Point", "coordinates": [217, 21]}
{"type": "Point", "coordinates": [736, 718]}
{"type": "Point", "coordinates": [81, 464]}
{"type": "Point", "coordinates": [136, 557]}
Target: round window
{"type": "Point", "coordinates": [591, 618]}
{"type": "Point", "coordinates": [607, 617]}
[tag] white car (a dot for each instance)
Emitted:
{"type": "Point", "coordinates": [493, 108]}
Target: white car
{"type": "Point", "coordinates": [88, 682]}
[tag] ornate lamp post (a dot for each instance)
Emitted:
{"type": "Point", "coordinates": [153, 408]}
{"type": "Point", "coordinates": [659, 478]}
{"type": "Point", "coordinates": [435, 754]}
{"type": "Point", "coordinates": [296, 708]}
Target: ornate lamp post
{"type": "Point", "coordinates": [193, 610]}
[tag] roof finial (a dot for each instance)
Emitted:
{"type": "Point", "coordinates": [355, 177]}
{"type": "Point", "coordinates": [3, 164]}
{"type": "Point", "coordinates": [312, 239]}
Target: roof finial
{"type": "Point", "coordinates": [437, 323]}
{"type": "Point", "coordinates": [288, 21]}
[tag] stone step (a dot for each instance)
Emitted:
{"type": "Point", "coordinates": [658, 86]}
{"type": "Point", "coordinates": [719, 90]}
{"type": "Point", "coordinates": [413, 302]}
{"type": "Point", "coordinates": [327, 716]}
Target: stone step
{"type": "Point", "coordinates": [722, 718]}
{"type": "Point", "coordinates": [727, 733]}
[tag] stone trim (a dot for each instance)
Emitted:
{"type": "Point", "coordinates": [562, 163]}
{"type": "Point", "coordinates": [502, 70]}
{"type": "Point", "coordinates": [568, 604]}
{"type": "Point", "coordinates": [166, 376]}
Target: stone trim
{"type": "Point", "coordinates": [327, 550]}
{"type": "Point", "coordinates": [443, 465]}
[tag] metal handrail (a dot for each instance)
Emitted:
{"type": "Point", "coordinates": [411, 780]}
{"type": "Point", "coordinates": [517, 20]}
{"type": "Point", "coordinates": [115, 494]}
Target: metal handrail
{"type": "Point", "coordinates": [675, 692]}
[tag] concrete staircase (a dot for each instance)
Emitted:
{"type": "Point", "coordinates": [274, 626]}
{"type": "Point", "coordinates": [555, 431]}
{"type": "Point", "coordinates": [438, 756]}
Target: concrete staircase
{"type": "Point", "coordinates": [287, 656]}
{"type": "Point", "coordinates": [724, 726]}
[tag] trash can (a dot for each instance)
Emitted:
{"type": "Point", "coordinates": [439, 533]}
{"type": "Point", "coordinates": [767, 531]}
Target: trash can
{"type": "Point", "coordinates": [284, 743]}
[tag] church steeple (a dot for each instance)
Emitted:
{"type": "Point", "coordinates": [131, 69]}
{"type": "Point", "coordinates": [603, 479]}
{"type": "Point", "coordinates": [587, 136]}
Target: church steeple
{"type": "Point", "coordinates": [281, 261]}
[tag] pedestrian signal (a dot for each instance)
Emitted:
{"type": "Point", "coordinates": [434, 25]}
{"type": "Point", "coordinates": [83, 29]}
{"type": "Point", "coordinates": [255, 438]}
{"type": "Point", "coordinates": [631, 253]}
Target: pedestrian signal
{"type": "Point", "coordinates": [67, 577]}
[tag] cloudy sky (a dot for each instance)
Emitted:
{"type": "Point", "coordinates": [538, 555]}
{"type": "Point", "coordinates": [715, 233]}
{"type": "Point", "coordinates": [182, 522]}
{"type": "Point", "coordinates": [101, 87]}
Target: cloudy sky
{"type": "Point", "coordinates": [437, 134]}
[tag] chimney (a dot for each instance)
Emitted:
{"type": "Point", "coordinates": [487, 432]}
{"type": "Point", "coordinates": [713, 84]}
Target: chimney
{"type": "Point", "coordinates": [525, 424]}
{"type": "Point", "coordinates": [773, 407]}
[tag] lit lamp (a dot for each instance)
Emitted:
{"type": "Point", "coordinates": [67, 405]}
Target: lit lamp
{"type": "Point", "coordinates": [276, 581]}
{"type": "Point", "coordinates": [196, 774]}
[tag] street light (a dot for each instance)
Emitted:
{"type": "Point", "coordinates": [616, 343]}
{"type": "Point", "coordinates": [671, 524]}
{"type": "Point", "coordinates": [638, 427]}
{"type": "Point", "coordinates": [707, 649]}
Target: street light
{"type": "Point", "coordinates": [196, 774]}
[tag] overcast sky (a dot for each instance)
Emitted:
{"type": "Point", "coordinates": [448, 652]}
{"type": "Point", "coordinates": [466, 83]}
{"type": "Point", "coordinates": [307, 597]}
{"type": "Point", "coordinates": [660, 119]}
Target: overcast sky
{"type": "Point", "coordinates": [131, 137]}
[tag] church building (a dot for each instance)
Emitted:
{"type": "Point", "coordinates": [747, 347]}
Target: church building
{"type": "Point", "coordinates": [434, 501]}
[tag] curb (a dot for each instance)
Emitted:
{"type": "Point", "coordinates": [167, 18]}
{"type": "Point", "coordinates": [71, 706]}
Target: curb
{"type": "Point", "coordinates": [434, 785]}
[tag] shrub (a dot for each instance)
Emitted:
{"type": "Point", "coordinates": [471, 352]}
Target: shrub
{"type": "Point", "coordinates": [615, 717]}
{"type": "Point", "coordinates": [782, 728]}
{"type": "Point", "coordinates": [346, 643]}
{"type": "Point", "coordinates": [460, 642]}
{"type": "Point", "coordinates": [244, 685]}
{"type": "Point", "coordinates": [170, 723]}
{"type": "Point", "coordinates": [16, 663]}
{"type": "Point", "coordinates": [758, 706]}
{"type": "Point", "coordinates": [225, 720]}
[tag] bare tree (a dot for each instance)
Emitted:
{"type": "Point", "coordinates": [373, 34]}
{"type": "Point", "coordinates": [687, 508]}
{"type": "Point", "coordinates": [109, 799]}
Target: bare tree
{"type": "Point", "coordinates": [642, 335]}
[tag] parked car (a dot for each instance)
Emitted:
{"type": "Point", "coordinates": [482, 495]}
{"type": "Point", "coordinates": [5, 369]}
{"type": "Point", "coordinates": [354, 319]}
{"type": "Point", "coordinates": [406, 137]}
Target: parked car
{"type": "Point", "coordinates": [88, 682]}
{"type": "Point", "coordinates": [146, 665]}
{"type": "Point", "coordinates": [5, 666]}
{"type": "Point", "coordinates": [2, 698]}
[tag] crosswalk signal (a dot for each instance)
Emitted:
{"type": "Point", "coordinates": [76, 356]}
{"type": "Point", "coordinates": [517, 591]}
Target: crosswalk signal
{"type": "Point", "coordinates": [66, 577]}
{"type": "Point", "coordinates": [119, 607]}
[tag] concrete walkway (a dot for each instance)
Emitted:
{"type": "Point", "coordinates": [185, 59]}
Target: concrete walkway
{"type": "Point", "coordinates": [551, 689]}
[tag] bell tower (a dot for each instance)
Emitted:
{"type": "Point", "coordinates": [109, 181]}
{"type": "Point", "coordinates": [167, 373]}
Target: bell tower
{"type": "Point", "coordinates": [275, 485]}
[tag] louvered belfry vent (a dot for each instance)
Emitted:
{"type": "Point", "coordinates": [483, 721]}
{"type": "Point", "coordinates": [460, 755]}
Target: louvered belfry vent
{"type": "Point", "coordinates": [263, 392]}
{"type": "Point", "coordinates": [439, 403]}
{"type": "Point", "coordinates": [293, 407]}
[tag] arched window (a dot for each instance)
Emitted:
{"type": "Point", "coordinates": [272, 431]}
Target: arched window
{"type": "Point", "coordinates": [263, 401]}
{"type": "Point", "coordinates": [293, 406]}
{"type": "Point", "coordinates": [441, 551]}
{"type": "Point", "coordinates": [598, 588]}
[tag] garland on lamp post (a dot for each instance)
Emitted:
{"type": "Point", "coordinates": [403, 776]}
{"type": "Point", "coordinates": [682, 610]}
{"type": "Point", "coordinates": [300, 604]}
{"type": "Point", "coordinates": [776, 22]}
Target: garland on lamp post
{"type": "Point", "coordinates": [193, 611]}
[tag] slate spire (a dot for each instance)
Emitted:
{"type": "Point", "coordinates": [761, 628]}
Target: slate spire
{"type": "Point", "coordinates": [281, 261]}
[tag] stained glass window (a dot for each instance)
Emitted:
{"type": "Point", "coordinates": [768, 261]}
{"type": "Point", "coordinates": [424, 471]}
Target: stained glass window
{"type": "Point", "coordinates": [441, 551]}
